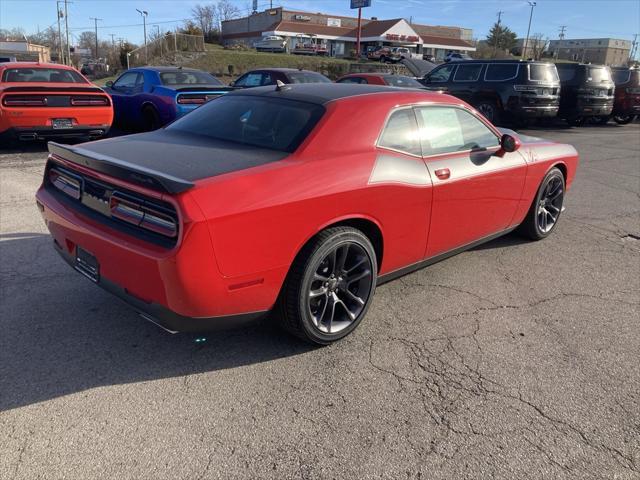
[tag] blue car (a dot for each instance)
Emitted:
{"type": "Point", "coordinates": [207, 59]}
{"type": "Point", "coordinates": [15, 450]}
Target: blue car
{"type": "Point", "coordinates": [147, 98]}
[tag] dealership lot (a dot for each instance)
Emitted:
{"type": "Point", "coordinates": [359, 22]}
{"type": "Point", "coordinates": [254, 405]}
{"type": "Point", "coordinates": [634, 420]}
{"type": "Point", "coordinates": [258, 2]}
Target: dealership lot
{"type": "Point", "coordinates": [513, 360]}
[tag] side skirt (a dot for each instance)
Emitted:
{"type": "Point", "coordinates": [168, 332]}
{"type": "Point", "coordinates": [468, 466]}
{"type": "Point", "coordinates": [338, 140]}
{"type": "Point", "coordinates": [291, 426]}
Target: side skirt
{"type": "Point", "coordinates": [387, 277]}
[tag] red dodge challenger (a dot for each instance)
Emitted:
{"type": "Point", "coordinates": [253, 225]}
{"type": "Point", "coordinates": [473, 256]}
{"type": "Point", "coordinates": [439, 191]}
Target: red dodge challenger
{"type": "Point", "coordinates": [41, 100]}
{"type": "Point", "coordinates": [299, 198]}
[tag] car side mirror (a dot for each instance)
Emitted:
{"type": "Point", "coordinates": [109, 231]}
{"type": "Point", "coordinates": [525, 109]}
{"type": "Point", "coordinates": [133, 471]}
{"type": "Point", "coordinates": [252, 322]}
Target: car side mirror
{"type": "Point", "coordinates": [509, 143]}
{"type": "Point", "coordinates": [109, 84]}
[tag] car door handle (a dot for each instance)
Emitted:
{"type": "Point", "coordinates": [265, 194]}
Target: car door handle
{"type": "Point", "coordinates": [443, 173]}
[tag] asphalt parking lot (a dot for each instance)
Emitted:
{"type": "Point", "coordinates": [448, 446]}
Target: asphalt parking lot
{"type": "Point", "coordinates": [514, 360]}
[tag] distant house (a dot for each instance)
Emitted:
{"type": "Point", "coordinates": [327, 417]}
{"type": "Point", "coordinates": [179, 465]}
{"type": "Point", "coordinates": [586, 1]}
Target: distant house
{"type": "Point", "coordinates": [605, 51]}
{"type": "Point", "coordinates": [25, 51]}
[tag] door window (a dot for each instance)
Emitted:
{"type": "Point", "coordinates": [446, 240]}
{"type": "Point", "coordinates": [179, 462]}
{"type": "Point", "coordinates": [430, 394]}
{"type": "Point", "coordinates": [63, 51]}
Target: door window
{"type": "Point", "coordinates": [441, 74]}
{"type": "Point", "coordinates": [353, 80]}
{"type": "Point", "coordinates": [467, 73]}
{"type": "Point", "coordinates": [128, 80]}
{"type": "Point", "coordinates": [267, 79]}
{"type": "Point", "coordinates": [451, 129]}
{"type": "Point", "coordinates": [401, 133]}
{"type": "Point", "coordinates": [250, 80]}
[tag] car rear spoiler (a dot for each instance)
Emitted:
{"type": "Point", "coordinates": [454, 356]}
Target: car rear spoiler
{"type": "Point", "coordinates": [126, 171]}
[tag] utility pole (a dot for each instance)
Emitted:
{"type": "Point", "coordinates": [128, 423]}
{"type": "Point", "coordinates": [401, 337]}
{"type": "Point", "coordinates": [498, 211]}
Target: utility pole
{"type": "Point", "coordinates": [144, 14]}
{"type": "Point", "coordinates": [495, 45]}
{"type": "Point", "coordinates": [59, 14]}
{"type": "Point", "coordinates": [634, 45]}
{"type": "Point", "coordinates": [526, 42]}
{"type": "Point", "coordinates": [561, 37]}
{"type": "Point", "coordinates": [113, 43]}
{"type": "Point", "coordinates": [66, 27]}
{"type": "Point", "coordinates": [95, 22]}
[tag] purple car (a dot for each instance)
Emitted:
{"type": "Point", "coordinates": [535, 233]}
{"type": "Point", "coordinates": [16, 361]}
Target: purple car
{"type": "Point", "coordinates": [147, 98]}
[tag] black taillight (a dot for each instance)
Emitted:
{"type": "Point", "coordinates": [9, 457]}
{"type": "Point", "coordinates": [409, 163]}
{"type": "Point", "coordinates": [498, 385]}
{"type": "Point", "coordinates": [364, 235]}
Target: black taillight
{"type": "Point", "coordinates": [66, 182]}
{"type": "Point", "coordinates": [192, 99]}
{"type": "Point", "coordinates": [24, 101]}
{"type": "Point", "coordinates": [143, 213]}
{"type": "Point", "coordinates": [87, 101]}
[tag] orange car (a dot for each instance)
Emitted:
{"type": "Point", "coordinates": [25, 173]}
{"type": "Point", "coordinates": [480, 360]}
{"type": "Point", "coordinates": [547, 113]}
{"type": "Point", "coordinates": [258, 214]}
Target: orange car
{"type": "Point", "coordinates": [39, 100]}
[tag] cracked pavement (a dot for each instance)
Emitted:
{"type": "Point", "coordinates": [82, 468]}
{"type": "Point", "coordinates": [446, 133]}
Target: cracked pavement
{"type": "Point", "coordinates": [513, 360]}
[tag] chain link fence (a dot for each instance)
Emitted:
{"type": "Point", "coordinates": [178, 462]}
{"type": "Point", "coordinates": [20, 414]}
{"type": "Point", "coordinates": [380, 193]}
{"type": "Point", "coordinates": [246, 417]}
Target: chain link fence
{"type": "Point", "coordinates": [168, 45]}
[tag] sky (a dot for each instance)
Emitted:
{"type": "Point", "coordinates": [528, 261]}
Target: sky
{"type": "Point", "coordinates": [582, 18]}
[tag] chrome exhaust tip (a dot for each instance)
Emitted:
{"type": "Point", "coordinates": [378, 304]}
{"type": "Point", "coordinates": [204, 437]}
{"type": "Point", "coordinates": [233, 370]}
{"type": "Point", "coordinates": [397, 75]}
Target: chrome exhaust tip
{"type": "Point", "coordinates": [156, 323]}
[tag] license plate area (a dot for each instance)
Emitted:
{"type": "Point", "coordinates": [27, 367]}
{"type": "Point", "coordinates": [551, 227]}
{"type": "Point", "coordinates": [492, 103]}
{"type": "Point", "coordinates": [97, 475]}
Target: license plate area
{"type": "Point", "coordinates": [87, 264]}
{"type": "Point", "coordinates": [61, 123]}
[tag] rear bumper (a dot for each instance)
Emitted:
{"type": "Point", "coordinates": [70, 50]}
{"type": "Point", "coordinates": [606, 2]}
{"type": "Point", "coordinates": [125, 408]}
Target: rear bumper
{"type": "Point", "coordinates": [164, 317]}
{"type": "Point", "coordinates": [178, 288]}
{"type": "Point", "coordinates": [589, 108]}
{"type": "Point", "coordinates": [533, 111]}
{"type": "Point", "coordinates": [47, 132]}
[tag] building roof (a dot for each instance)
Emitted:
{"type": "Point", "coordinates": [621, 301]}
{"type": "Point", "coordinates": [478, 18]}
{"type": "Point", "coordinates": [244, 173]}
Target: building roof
{"type": "Point", "coordinates": [311, 28]}
{"type": "Point", "coordinates": [448, 41]}
{"type": "Point", "coordinates": [376, 27]}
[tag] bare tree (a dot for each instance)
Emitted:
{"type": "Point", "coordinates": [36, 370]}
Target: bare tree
{"type": "Point", "coordinates": [537, 44]}
{"type": "Point", "coordinates": [225, 10]}
{"type": "Point", "coordinates": [205, 17]}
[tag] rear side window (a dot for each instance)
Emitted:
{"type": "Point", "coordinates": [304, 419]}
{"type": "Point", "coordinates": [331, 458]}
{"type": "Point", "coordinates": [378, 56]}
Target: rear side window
{"type": "Point", "coordinates": [497, 72]}
{"type": "Point", "coordinates": [450, 129]}
{"type": "Point", "coordinates": [441, 74]}
{"type": "Point", "coordinates": [401, 133]}
{"type": "Point", "coordinates": [307, 77]}
{"type": "Point", "coordinates": [276, 124]}
{"type": "Point", "coordinates": [250, 80]}
{"type": "Point", "coordinates": [543, 73]}
{"type": "Point", "coordinates": [467, 73]}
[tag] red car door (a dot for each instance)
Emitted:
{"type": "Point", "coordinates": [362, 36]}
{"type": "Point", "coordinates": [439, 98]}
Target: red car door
{"type": "Point", "coordinates": [475, 191]}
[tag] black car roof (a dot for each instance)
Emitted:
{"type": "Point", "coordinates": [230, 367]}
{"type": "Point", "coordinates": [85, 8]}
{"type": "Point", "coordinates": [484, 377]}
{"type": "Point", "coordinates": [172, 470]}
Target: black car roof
{"type": "Point", "coordinates": [318, 93]}
{"type": "Point", "coordinates": [280, 69]}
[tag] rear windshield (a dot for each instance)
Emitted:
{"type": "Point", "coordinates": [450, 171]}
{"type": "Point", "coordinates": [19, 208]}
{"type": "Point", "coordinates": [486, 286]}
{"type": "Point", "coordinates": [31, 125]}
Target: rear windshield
{"type": "Point", "coordinates": [621, 76]}
{"type": "Point", "coordinates": [598, 74]}
{"type": "Point", "coordinates": [402, 81]}
{"type": "Point", "coordinates": [307, 77]}
{"type": "Point", "coordinates": [501, 71]}
{"type": "Point", "coordinates": [276, 124]}
{"type": "Point", "coordinates": [188, 78]}
{"type": "Point", "coordinates": [42, 75]}
{"type": "Point", "coordinates": [543, 73]}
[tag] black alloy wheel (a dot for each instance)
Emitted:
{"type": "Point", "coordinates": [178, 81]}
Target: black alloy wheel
{"type": "Point", "coordinates": [489, 110]}
{"type": "Point", "coordinates": [546, 207]}
{"type": "Point", "coordinates": [330, 286]}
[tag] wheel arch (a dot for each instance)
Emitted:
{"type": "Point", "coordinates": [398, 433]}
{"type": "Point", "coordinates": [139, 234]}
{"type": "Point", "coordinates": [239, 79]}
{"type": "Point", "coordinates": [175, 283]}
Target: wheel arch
{"type": "Point", "coordinates": [369, 226]}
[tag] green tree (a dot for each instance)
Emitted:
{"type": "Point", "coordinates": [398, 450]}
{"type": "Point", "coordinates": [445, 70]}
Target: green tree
{"type": "Point", "coordinates": [501, 37]}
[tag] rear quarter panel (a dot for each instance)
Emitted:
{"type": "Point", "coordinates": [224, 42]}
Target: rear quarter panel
{"type": "Point", "coordinates": [261, 217]}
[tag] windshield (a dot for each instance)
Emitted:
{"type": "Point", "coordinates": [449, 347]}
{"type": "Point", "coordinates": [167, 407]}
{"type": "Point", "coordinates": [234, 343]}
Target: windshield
{"type": "Point", "coordinates": [42, 75]}
{"type": "Point", "coordinates": [307, 77]}
{"type": "Point", "coordinates": [402, 81]}
{"type": "Point", "coordinates": [543, 73]}
{"type": "Point", "coordinates": [599, 74]}
{"type": "Point", "coordinates": [272, 123]}
{"type": "Point", "coordinates": [180, 77]}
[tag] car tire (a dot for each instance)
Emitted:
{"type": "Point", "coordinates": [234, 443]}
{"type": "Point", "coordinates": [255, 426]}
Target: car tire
{"type": "Point", "coordinates": [489, 110]}
{"type": "Point", "coordinates": [546, 207]}
{"type": "Point", "coordinates": [622, 119]}
{"type": "Point", "coordinates": [150, 119]}
{"type": "Point", "coordinates": [330, 286]}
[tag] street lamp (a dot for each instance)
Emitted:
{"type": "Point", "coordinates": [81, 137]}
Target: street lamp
{"type": "Point", "coordinates": [526, 42]}
{"type": "Point", "coordinates": [144, 14]}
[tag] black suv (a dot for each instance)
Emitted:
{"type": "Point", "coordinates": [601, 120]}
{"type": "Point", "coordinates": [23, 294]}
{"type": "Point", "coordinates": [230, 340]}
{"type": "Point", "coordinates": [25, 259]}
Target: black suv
{"type": "Point", "coordinates": [587, 92]}
{"type": "Point", "coordinates": [502, 90]}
